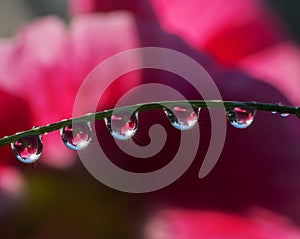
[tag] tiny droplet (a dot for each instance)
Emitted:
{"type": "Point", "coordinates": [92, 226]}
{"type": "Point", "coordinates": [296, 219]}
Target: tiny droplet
{"type": "Point", "coordinates": [122, 126]}
{"type": "Point", "coordinates": [182, 118]}
{"type": "Point", "coordinates": [76, 136]}
{"type": "Point", "coordinates": [240, 117]}
{"type": "Point", "coordinates": [284, 114]}
{"type": "Point", "coordinates": [28, 149]}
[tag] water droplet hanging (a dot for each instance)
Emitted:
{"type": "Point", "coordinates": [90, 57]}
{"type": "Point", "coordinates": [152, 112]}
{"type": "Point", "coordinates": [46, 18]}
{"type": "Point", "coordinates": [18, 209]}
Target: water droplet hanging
{"type": "Point", "coordinates": [182, 118]}
{"type": "Point", "coordinates": [240, 117]}
{"type": "Point", "coordinates": [284, 114]}
{"type": "Point", "coordinates": [122, 126]}
{"type": "Point", "coordinates": [76, 136]}
{"type": "Point", "coordinates": [28, 149]}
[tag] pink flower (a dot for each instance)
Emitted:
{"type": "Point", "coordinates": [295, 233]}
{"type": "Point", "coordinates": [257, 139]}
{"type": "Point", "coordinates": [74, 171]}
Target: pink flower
{"type": "Point", "coordinates": [46, 63]}
{"type": "Point", "coordinates": [244, 34]}
{"type": "Point", "coordinates": [257, 167]}
{"type": "Point", "coordinates": [41, 71]}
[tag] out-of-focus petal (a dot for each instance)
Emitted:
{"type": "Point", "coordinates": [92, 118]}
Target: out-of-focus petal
{"type": "Point", "coordinates": [11, 182]}
{"type": "Point", "coordinates": [38, 67]}
{"type": "Point", "coordinates": [191, 224]}
{"type": "Point", "coordinates": [79, 6]}
{"type": "Point", "coordinates": [96, 37]}
{"type": "Point", "coordinates": [47, 62]}
{"type": "Point", "coordinates": [228, 31]}
{"type": "Point", "coordinates": [244, 34]}
{"type": "Point", "coordinates": [279, 66]}
{"type": "Point", "coordinates": [136, 7]}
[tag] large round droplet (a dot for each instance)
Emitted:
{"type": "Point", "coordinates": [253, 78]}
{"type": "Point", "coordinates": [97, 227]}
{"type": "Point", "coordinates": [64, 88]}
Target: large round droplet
{"type": "Point", "coordinates": [28, 149]}
{"type": "Point", "coordinates": [240, 117]}
{"type": "Point", "coordinates": [76, 136]}
{"type": "Point", "coordinates": [182, 118]}
{"type": "Point", "coordinates": [122, 126]}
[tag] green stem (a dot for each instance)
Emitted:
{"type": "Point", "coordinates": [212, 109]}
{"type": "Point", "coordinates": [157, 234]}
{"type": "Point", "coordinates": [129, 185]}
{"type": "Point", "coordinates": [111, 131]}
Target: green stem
{"type": "Point", "coordinates": [146, 107]}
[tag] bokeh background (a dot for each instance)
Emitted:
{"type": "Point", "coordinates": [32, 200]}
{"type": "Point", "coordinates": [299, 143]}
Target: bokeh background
{"type": "Point", "coordinates": [258, 169]}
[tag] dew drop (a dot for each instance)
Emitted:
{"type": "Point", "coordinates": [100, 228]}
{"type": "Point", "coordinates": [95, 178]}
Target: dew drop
{"type": "Point", "coordinates": [76, 136]}
{"type": "Point", "coordinates": [284, 114]}
{"type": "Point", "coordinates": [240, 117]}
{"type": "Point", "coordinates": [182, 118]}
{"type": "Point", "coordinates": [122, 126]}
{"type": "Point", "coordinates": [28, 149]}
{"type": "Point", "coordinates": [273, 112]}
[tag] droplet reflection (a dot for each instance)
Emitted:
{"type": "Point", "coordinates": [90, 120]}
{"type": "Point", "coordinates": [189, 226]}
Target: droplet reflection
{"type": "Point", "coordinates": [182, 118]}
{"type": "Point", "coordinates": [122, 126]}
{"type": "Point", "coordinates": [240, 117]}
{"type": "Point", "coordinates": [77, 136]}
{"type": "Point", "coordinates": [28, 149]}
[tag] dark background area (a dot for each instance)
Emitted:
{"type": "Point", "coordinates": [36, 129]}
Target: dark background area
{"type": "Point", "coordinates": [289, 12]}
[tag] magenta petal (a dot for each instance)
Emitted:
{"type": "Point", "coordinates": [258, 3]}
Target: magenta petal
{"type": "Point", "coordinates": [230, 36]}
{"type": "Point", "coordinates": [81, 6]}
{"type": "Point", "coordinates": [193, 224]}
{"type": "Point", "coordinates": [279, 66]}
{"type": "Point", "coordinates": [11, 182]}
{"type": "Point", "coordinates": [47, 62]}
{"type": "Point", "coordinates": [245, 34]}
{"type": "Point", "coordinates": [96, 37]}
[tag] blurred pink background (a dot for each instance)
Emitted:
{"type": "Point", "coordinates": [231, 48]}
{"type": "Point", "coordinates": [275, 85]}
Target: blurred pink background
{"type": "Point", "coordinates": [250, 49]}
